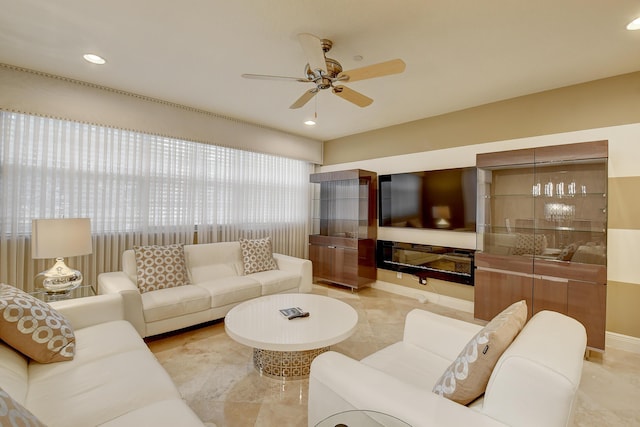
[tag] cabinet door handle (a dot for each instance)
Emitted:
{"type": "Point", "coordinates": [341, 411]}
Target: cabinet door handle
{"type": "Point", "coordinates": [331, 247]}
{"type": "Point", "coordinates": [551, 278]}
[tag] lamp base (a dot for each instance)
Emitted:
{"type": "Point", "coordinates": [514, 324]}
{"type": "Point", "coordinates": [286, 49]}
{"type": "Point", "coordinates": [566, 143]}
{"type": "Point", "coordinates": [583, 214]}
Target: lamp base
{"type": "Point", "coordinates": [60, 278]}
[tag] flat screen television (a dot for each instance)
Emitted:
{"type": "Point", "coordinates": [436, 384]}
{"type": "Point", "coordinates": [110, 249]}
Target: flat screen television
{"type": "Point", "coordinates": [439, 199]}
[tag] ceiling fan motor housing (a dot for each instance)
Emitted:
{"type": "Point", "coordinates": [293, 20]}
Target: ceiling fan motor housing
{"type": "Point", "coordinates": [322, 80]}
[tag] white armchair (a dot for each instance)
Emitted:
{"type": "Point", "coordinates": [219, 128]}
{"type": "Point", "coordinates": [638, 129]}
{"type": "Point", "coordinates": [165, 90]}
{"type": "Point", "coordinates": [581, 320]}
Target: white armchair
{"type": "Point", "coordinates": [534, 382]}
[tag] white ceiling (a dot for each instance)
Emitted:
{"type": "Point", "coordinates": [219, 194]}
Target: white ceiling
{"type": "Point", "coordinates": [459, 53]}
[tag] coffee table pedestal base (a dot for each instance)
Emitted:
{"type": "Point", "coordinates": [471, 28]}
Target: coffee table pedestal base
{"type": "Point", "coordinates": [285, 365]}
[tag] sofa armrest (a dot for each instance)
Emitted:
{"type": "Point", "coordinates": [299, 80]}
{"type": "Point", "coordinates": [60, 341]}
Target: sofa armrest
{"type": "Point", "coordinates": [89, 311]}
{"type": "Point", "coordinates": [438, 334]}
{"type": "Point", "coordinates": [119, 283]}
{"type": "Point", "coordinates": [300, 266]}
{"type": "Point", "coordinates": [538, 375]}
{"type": "Point", "coordinates": [338, 383]}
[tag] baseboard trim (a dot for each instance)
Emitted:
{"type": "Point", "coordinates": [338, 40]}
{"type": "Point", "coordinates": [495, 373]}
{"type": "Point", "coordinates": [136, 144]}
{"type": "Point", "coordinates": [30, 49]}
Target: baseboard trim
{"type": "Point", "coordinates": [425, 296]}
{"type": "Point", "coordinates": [622, 342]}
{"type": "Point", "coordinates": [612, 339]}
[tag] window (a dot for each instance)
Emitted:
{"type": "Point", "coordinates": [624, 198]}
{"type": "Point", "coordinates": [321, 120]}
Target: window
{"type": "Point", "coordinates": [151, 189]}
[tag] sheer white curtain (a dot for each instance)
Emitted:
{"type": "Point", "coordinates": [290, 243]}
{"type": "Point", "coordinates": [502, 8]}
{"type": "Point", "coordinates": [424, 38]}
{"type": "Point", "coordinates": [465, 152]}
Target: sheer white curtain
{"type": "Point", "coordinates": [138, 189]}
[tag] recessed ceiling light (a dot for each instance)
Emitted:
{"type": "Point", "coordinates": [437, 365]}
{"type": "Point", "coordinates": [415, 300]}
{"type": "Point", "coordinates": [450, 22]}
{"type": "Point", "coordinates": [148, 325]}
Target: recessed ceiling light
{"type": "Point", "coordinates": [94, 59]}
{"type": "Point", "coordinates": [634, 25]}
{"type": "Point", "coordinates": [310, 123]}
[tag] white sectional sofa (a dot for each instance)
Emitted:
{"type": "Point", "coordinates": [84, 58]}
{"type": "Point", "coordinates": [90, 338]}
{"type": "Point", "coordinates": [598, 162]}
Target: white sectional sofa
{"type": "Point", "coordinates": [217, 284]}
{"type": "Point", "coordinates": [113, 380]}
{"type": "Point", "coordinates": [534, 382]}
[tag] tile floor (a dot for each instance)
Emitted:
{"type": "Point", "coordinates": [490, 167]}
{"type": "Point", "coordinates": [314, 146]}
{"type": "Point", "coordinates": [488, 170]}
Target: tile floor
{"type": "Point", "coordinates": [216, 376]}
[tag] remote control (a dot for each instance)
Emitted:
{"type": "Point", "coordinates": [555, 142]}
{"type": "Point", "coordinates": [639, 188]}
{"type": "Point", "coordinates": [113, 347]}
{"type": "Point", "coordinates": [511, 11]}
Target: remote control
{"type": "Point", "coordinates": [294, 316]}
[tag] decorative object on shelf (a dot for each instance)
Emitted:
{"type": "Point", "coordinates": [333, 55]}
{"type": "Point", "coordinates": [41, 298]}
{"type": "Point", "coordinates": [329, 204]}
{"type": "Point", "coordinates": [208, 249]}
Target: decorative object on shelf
{"type": "Point", "coordinates": [572, 188]}
{"type": "Point", "coordinates": [559, 211]}
{"type": "Point", "coordinates": [60, 238]}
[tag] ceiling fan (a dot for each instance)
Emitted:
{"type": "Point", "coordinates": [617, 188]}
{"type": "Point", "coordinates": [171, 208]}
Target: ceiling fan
{"type": "Point", "coordinates": [327, 73]}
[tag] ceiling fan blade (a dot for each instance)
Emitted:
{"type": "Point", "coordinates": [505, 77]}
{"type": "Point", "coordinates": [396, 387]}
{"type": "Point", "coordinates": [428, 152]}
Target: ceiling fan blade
{"type": "Point", "coordinates": [268, 77]}
{"type": "Point", "coordinates": [306, 97]}
{"type": "Point", "coordinates": [312, 47]}
{"type": "Point", "coordinates": [352, 96]}
{"type": "Point", "coordinates": [394, 66]}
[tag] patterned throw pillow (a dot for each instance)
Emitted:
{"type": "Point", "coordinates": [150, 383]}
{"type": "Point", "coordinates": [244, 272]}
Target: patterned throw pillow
{"type": "Point", "coordinates": [13, 414]}
{"type": "Point", "coordinates": [34, 328]}
{"type": "Point", "coordinates": [160, 267]}
{"type": "Point", "coordinates": [530, 244]}
{"type": "Point", "coordinates": [257, 255]}
{"type": "Point", "coordinates": [467, 377]}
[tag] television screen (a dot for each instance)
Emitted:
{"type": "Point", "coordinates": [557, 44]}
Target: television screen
{"type": "Point", "coordinates": [440, 199]}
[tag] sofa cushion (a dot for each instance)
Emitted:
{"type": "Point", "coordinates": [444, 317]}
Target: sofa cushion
{"type": "Point", "coordinates": [257, 255]}
{"type": "Point", "coordinates": [14, 372]}
{"type": "Point", "coordinates": [467, 377]}
{"type": "Point", "coordinates": [127, 381]}
{"type": "Point", "coordinates": [14, 414]}
{"type": "Point", "coordinates": [160, 267]}
{"type": "Point", "coordinates": [174, 302]}
{"type": "Point", "coordinates": [126, 376]}
{"type": "Point", "coordinates": [33, 327]}
{"type": "Point", "coordinates": [213, 260]}
{"type": "Point", "coordinates": [408, 363]}
{"type": "Point", "coordinates": [231, 290]}
{"type": "Point", "coordinates": [173, 412]}
{"type": "Point", "coordinates": [276, 281]}
{"type": "Point", "coordinates": [92, 344]}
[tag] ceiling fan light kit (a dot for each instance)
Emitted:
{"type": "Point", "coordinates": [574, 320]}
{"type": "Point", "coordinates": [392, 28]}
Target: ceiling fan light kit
{"type": "Point", "coordinates": [634, 25]}
{"type": "Point", "coordinates": [325, 73]}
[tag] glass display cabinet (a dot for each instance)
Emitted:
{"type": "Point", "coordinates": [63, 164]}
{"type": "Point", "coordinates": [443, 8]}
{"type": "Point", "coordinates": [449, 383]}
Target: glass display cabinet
{"type": "Point", "coordinates": [342, 243]}
{"type": "Point", "coordinates": [542, 233]}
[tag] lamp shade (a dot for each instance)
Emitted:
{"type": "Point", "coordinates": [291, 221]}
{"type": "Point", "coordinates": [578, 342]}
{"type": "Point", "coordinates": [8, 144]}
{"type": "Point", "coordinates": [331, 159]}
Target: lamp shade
{"type": "Point", "coordinates": [55, 238]}
{"type": "Point", "coordinates": [441, 212]}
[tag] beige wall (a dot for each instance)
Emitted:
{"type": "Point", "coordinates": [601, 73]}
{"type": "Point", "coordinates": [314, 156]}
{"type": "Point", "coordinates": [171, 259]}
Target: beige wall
{"type": "Point", "coordinates": [607, 102]}
{"type": "Point", "coordinates": [32, 92]}
{"type": "Point", "coordinates": [606, 109]}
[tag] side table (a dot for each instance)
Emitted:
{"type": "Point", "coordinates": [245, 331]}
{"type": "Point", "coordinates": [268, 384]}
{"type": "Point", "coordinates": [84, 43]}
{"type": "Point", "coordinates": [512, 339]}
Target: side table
{"type": "Point", "coordinates": [78, 292]}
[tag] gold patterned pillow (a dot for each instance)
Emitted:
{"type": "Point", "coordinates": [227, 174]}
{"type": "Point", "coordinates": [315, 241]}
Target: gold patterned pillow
{"type": "Point", "coordinates": [467, 377]}
{"type": "Point", "coordinates": [14, 414]}
{"type": "Point", "coordinates": [257, 255]}
{"type": "Point", "coordinates": [160, 267]}
{"type": "Point", "coordinates": [34, 328]}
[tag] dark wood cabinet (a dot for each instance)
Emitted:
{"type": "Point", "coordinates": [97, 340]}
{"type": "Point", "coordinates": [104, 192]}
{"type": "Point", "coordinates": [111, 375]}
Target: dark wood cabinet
{"type": "Point", "coordinates": [342, 243]}
{"type": "Point", "coordinates": [541, 229]}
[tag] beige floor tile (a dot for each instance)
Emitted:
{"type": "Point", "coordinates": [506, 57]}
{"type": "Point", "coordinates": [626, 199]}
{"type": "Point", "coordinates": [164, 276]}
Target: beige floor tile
{"type": "Point", "coordinates": [216, 376]}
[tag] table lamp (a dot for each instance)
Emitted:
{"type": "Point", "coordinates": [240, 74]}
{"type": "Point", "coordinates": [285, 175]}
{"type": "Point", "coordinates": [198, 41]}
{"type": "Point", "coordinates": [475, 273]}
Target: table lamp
{"type": "Point", "coordinates": [60, 238]}
{"type": "Point", "coordinates": [441, 216]}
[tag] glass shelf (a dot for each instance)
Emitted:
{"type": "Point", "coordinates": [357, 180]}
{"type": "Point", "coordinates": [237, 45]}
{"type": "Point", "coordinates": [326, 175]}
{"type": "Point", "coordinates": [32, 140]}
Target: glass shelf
{"type": "Point", "coordinates": [341, 209]}
{"type": "Point", "coordinates": [551, 208]}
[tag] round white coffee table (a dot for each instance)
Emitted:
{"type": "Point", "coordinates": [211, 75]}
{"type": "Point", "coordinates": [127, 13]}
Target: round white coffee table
{"type": "Point", "coordinates": [284, 348]}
